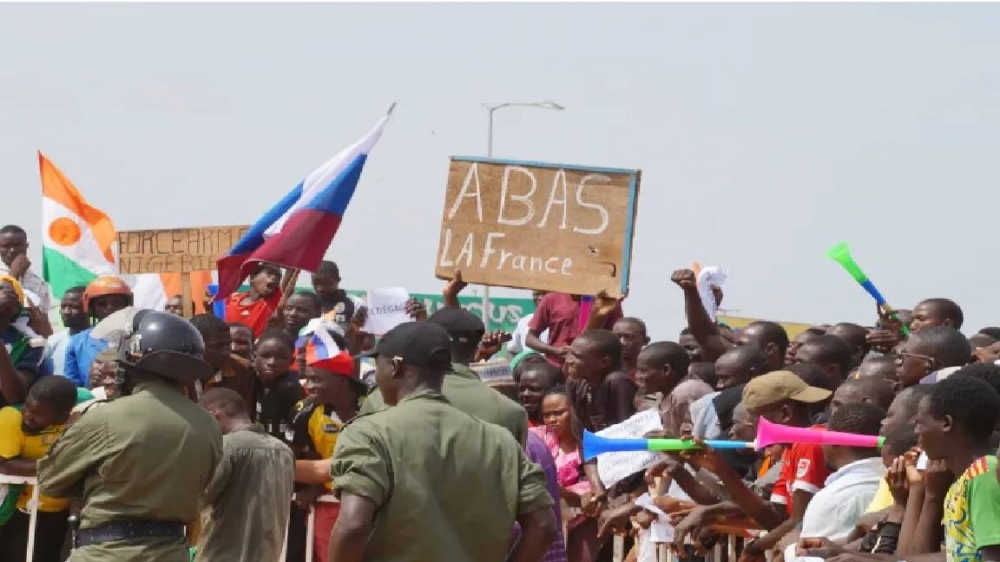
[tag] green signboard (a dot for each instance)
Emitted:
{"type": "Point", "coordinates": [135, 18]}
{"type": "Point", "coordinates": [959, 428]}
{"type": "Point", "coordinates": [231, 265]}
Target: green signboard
{"type": "Point", "coordinates": [504, 312]}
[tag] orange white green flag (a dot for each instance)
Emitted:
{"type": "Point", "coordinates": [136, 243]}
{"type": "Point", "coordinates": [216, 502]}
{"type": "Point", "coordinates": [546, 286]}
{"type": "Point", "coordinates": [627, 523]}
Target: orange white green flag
{"type": "Point", "coordinates": [78, 239]}
{"type": "Point", "coordinates": [79, 246]}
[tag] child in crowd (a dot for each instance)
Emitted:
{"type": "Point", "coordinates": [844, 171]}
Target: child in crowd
{"type": "Point", "coordinates": [277, 389]}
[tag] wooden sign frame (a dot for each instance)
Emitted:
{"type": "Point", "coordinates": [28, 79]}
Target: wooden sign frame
{"type": "Point", "coordinates": [176, 250]}
{"type": "Point", "coordinates": [615, 283]}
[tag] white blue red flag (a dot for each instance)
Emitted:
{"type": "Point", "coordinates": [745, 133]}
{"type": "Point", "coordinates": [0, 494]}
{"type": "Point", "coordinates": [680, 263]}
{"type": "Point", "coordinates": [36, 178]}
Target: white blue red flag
{"type": "Point", "coordinates": [297, 231]}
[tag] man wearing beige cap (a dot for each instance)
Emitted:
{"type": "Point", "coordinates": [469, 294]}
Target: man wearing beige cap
{"type": "Point", "coordinates": [779, 397]}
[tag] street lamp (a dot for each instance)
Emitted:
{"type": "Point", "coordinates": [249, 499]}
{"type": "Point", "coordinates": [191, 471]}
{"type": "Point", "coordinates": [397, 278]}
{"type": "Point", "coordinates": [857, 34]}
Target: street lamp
{"type": "Point", "coordinates": [491, 108]}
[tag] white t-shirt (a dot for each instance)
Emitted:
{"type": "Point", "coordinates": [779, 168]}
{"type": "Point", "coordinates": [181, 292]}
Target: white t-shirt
{"type": "Point", "coordinates": [834, 510]}
{"type": "Point", "coordinates": [518, 339]}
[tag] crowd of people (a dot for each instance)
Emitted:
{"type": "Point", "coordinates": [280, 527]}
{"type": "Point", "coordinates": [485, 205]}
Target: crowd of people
{"type": "Point", "coordinates": [428, 462]}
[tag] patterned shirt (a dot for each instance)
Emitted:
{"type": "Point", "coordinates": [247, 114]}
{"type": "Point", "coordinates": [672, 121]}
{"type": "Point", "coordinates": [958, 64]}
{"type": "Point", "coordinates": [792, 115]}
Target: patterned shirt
{"type": "Point", "coordinates": [972, 512]}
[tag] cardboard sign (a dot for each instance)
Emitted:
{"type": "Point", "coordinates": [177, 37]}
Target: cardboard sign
{"type": "Point", "coordinates": [539, 226]}
{"type": "Point", "coordinates": [494, 371]}
{"type": "Point", "coordinates": [179, 250]}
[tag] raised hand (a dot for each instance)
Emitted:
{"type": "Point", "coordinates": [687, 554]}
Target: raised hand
{"type": "Point", "coordinates": [452, 288]}
{"type": "Point", "coordinates": [685, 279]}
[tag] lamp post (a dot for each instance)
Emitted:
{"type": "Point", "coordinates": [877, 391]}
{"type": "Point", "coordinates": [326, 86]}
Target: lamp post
{"type": "Point", "coordinates": [491, 108]}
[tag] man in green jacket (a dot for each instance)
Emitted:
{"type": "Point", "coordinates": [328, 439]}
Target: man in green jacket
{"type": "Point", "coordinates": [462, 386]}
{"type": "Point", "coordinates": [140, 462]}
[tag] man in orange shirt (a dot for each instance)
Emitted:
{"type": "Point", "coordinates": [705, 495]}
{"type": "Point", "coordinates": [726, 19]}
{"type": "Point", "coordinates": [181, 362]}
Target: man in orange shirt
{"type": "Point", "coordinates": [255, 307]}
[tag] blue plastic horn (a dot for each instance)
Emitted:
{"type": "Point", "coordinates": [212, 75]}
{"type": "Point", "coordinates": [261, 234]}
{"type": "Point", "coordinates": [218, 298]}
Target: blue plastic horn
{"type": "Point", "coordinates": [594, 445]}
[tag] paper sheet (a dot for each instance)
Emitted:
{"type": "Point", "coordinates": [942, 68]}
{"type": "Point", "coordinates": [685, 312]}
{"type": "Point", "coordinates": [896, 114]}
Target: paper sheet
{"type": "Point", "coordinates": [386, 309]}
{"type": "Point", "coordinates": [495, 370]}
{"type": "Point", "coordinates": [708, 277]}
{"type": "Point", "coordinates": [612, 467]}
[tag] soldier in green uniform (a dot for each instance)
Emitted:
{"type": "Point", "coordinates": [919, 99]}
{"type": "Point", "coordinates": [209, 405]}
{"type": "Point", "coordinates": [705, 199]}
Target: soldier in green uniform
{"type": "Point", "coordinates": [462, 386]}
{"type": "Point", "coordinates": [140, 462]}
{"type": "Point", "coordinates": [422, 480]}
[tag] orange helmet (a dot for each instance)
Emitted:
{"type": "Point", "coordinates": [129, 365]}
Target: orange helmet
{"type": "Point", "coordinates": [104, 286]}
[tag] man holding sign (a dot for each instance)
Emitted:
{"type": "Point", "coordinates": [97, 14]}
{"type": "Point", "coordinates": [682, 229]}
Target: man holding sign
{"type": "Point", "coordinates": [565, 317]}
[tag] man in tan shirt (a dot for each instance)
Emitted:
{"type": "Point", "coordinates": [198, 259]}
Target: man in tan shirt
{"type": "Point", "coordinates": [663, 381]}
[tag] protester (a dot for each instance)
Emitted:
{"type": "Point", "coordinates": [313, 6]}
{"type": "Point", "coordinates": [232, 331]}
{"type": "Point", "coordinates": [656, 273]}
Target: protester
{"type": "Point", "coordinates": [805, 336]}
{"type": "Point", "coordinates": [231, 370]}
{"type": "Point", "coordinates": [600, 395]}
{"type": "Point", "coordinates": [75, 320]}
{"type": "Point", "coordinates": [687, 341]}
{"type": "Point", "coordinates": [834, 510]}
{"type": "Point", "coordinates": [522, 361]}
{"type": "Point", "coordinates": [562, 316]}
{"type": "Point", "coordinates": [931, 355]}
{"type": "Point", "coordinates": [256, 306]}
{"type": "Point", "coordinates": [535, 382]}
{"type": "Point", "coordinates": [632, 334]}
{"type": "Point", "coordinates": [175, 305]}
{"type": "Point", "coordinates": [955, 424]}
{"type": "Point", "coordinates": [783, 398]}
{"type": "Point", "coordinates": [936, 312]}
{"type": "Point", "coordinates": [336, 304]}
{"type": "Point", "coordinates": [15, 263]}
{"type": "Point", "coordinates": [277, 389]}
{"type": "Point", "coordinates": [242, 339]}
{"type": "Point", "coordinates": [663, 381]}
{"type": "Point", "coordinates": [563, 444]}
{"type": "Point", "coordinates": [712, 414]}
{"type": "Point", "coordinates": [25, 437]}
{"type": "Point", "coordinates": [882, 366]}
{"type": "Point", "coordinates": [335, 397]}
{"type": "Point", "coordinates": [21, 356]}
{"type": "Point", "coordinates": [245, 507]}
{"type": "Point", "coordinates": [300, 308]}
{"type": "Point", "coordinates": [538, 453]}
{"type": "Point", "coordinates": [704, 371]}
{"type": "Point", "coordinates": [103, 297]}
{"type": "Point", "coordinates": [829, 353]}
{"type": "Point", "coordinates": [867, 390]}
{"type": "Point", "coordinates": [856, 338]}
{"type": "Point", "coordinates": [448, 455]}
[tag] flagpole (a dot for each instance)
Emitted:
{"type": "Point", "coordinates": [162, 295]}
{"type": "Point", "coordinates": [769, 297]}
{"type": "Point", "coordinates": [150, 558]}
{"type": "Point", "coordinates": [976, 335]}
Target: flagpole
{"type": "Point", "coordinates": [491, 107]}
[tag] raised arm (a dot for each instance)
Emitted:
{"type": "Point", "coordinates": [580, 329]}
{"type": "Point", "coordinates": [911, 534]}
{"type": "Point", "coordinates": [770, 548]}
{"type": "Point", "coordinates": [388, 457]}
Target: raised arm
{"type": "Point", "coordinates": [701, 325]}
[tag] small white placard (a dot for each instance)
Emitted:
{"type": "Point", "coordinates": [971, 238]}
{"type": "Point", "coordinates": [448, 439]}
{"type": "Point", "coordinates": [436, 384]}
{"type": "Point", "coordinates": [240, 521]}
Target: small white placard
{"type": "Point", "coordinates": [386, 309]}
{"type": "Point", "coordinates": [612, 467]}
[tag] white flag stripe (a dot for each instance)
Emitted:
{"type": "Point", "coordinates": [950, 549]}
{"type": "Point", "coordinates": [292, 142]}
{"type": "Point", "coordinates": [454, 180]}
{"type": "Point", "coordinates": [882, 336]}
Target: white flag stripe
{"type": "Point", "coordinates": [325, 174]}
{"type": "Point", "coordinates": [86, 251]}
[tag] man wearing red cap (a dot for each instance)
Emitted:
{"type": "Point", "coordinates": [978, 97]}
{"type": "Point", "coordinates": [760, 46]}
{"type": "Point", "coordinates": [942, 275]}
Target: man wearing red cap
{"type": "Point", "coordinates": [334, 398]}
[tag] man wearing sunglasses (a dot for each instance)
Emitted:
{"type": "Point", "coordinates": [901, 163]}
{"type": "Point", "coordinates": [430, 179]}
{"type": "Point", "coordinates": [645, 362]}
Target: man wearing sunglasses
{"type": "Point", "coordinates": [931, 355]}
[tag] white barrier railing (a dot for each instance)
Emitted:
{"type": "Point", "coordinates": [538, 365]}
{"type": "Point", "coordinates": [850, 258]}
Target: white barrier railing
{"type": "Point", "coordinates": [663, 553]}
{"type": "Point", "coordinates": [32, 508]}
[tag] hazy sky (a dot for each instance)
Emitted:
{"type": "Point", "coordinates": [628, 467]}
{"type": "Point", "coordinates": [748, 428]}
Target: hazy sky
{"type": "Point", "coordinates": [766, 133]}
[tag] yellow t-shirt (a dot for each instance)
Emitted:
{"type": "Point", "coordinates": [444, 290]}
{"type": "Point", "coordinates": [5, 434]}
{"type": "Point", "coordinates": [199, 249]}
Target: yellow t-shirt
{"type": "Point", "coordinates": [323, 432]}
{"type": "Point", "coordinates": [15, 443]}
{"type": "Point", "coordinates": [883, 498]}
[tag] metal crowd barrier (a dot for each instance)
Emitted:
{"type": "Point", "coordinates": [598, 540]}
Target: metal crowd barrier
{"type": "Point", "coordinates": [664, 554]}
{"type": "Point", "coordinates": [32, 511]}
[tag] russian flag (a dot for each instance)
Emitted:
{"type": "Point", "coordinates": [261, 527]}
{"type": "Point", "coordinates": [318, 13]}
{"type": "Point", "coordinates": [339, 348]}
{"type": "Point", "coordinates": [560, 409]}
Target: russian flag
{"type": "Point", "coordinates": [297, 231]}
